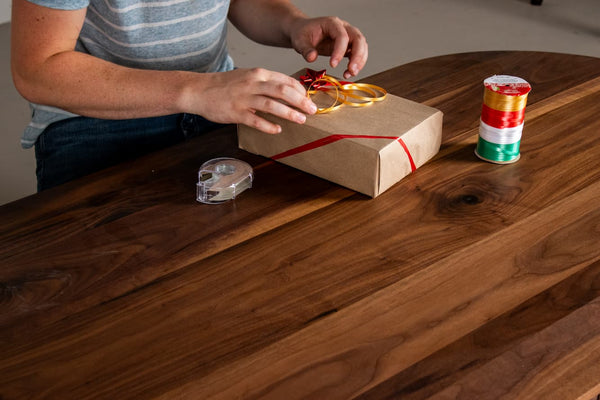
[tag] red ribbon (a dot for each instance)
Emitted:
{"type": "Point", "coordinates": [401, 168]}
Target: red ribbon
{"type": "Point", "coordinates": [502, 119]}
{"type": "Point", "coordinates": [334, 138]}
{"type": "Point", "coordinates": [313, 76]}
{"type": "Point", "coordinates": [311, 80]}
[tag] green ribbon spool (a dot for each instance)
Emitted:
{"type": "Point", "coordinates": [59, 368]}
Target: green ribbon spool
{"type": "Point", "coordinates": [498, 153]}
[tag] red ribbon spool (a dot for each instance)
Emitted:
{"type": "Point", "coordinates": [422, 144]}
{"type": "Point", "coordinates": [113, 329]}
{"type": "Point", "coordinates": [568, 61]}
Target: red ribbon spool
{"type": "Point", "coordinates": [502, 119]}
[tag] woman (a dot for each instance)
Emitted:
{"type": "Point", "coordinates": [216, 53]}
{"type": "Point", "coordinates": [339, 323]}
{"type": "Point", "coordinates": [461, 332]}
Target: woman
{"type": "Point", "coordinates": [109, 80]}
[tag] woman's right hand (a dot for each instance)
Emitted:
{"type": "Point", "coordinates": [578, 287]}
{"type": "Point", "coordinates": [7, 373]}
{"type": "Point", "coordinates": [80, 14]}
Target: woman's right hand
{"type": "Point", "coordinates": [236, 97]}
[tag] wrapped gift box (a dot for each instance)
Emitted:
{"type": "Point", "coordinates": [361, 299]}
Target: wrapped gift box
{"type": "Point", "coordinates": [367, 149]}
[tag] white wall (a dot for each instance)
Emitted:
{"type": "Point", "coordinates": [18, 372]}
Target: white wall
{"type": "Point", "coordinates": [4, 11]}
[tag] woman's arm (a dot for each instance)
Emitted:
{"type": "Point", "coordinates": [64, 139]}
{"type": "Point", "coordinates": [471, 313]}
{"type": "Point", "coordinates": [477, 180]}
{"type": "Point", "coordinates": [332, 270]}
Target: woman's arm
{"type": "Point", "coordinates": [280, 23]}
{"type": "Point", "coordinates": [47, 70]}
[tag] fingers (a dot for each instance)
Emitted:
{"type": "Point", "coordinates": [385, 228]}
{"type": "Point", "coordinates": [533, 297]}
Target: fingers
{"type": "Point", "coordinates": [358, 54]}
{"type": "Point", "coordinates": [332, 37]}
{"type": "Point", "coordinates": [276, 94]}
{"type": "Point", "coordinates": [261, 124]}
{"type": "Point", "coordinates": [283, 97]}
{"type": "Point", "coordinates": [282, 88]}
{"type": "Point", "coordinates": [336, 30]}
{"type": "Point", "coordinates": [270, 106]}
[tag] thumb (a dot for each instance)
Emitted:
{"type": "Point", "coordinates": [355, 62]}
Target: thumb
{"type": "Point", "coordinates": [310, 54]}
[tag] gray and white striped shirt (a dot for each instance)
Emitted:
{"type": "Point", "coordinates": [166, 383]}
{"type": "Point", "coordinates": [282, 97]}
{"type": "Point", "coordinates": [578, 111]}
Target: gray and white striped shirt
{"type": "Point", "coordinates": [148, 34]}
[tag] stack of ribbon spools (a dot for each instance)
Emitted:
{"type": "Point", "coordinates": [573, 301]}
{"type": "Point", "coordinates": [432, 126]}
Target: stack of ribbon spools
{"type": "Point", "coordinates": [502, 119]}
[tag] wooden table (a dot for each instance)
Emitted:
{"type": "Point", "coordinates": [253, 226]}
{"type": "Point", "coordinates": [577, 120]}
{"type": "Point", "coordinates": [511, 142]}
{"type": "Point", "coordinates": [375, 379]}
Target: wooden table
{"type": "Point", "coordinates": [465, 280]}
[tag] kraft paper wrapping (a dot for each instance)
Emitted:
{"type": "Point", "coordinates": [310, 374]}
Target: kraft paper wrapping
{"type": "Point", "coordinates": [369, 166]}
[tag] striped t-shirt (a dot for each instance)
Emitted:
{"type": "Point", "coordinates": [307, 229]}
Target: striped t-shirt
{"type": "Point", "coordinates": [148, 34]}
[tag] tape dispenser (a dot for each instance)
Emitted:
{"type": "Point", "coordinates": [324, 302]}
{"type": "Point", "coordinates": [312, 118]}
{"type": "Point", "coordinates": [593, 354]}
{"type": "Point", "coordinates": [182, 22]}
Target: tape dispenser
{"type": "Point", "coordinates": [221, 179]}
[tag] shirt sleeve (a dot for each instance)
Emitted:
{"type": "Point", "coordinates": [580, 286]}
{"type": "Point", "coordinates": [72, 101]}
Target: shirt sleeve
{"type": "Point", "coordinates": [62, 4]}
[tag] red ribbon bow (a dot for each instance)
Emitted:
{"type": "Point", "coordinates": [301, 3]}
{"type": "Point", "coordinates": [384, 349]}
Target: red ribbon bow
{"type": "Point", "coordinates": [313, 76]}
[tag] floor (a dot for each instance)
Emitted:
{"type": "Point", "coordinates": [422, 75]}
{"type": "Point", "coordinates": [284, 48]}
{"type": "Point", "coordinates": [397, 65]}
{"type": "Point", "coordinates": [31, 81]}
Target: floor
{"type": "Point", "coordinates": [398, 31]}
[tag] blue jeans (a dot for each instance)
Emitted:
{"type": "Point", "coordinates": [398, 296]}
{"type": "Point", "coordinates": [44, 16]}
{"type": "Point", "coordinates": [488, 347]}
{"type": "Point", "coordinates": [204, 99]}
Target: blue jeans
{"type": "Point", "coordinates": [75, 147]}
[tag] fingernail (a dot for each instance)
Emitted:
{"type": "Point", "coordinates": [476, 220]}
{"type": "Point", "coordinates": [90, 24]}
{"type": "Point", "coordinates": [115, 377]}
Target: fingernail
{"type": "Point", "coordinates": [353, 68]}
{"type": "Point", "coordinates": [300, 118]}
{"type": "Point", "coordinates": [313, 108]}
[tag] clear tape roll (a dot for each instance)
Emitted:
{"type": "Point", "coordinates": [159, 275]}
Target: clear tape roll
{"type": "Point", "coordinates": [222, 179]}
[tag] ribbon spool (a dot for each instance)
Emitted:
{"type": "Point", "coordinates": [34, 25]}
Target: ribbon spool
{"type": "Point", "coordinates": [343, 93]}
{"type": "Point", "coordinates": [502, 119]}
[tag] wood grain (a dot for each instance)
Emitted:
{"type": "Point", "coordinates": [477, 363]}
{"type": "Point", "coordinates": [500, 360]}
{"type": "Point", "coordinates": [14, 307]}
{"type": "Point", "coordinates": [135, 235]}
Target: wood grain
{"type": "Point", "coordinates": [559, 361]}
{"type": "Point", "coordinates": [369, 341]}
{"type": "Point", "coordinates": [122, 286]}
{"type": "Point", "coordinates": [450, 364]}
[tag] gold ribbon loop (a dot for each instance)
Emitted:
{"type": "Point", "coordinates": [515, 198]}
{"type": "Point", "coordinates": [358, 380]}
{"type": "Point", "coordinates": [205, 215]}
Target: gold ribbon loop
{"type": "Point", "coordinates": [351, 94]}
